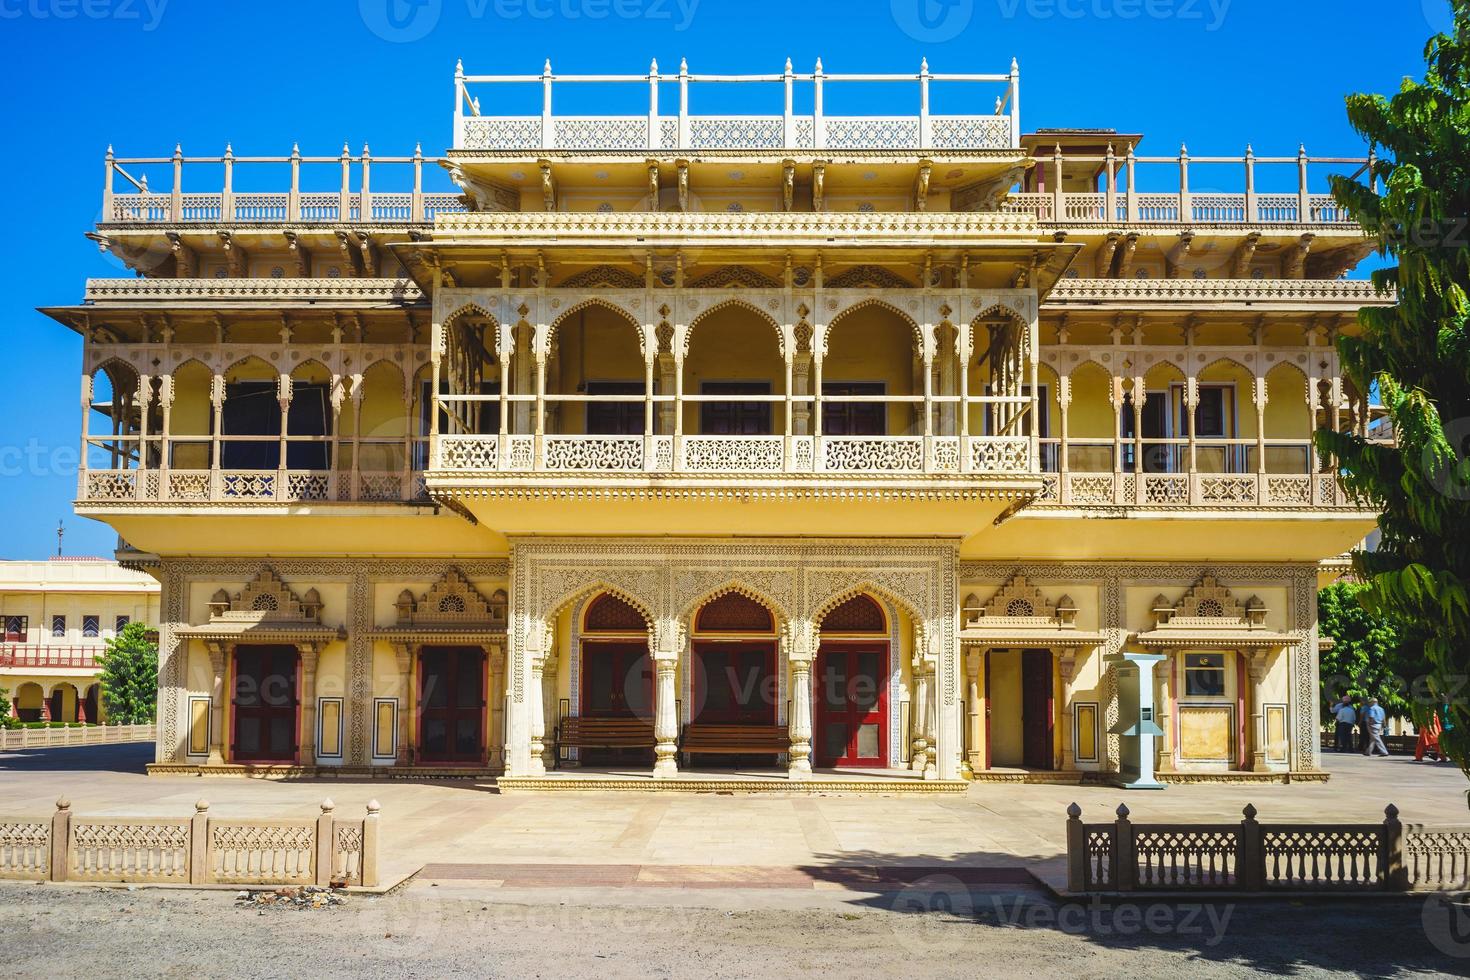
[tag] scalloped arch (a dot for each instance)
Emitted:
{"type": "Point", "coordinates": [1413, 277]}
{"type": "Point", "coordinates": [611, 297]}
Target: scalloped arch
{"type": "Point", "coordinates": [871, 589]}
{"type": "Point", "coordinates": [863, 304]}
{"type": "Point", "coordinates": [779, 613]}
{"type": "Point", "coordinates": [591, 589]}
{"type": "Point", "coordinates": [605, 304]}
{"type": "Point", "coordinates": [728, 303]}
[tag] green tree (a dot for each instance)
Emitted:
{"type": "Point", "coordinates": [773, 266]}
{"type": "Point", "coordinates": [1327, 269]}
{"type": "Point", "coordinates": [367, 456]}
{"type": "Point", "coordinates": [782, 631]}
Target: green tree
{"type": "Point", "coordinates": [130, 677]}
{"type": "Point", "coordinates": [1370, 656]}
{"type": "Point", "coordinates": [5, 720]}
{"type": "Point", "coordinates": [1416, 354]}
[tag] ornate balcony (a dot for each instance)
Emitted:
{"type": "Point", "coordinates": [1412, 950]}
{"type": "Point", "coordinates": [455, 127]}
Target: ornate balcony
{"type": "Point", "coordinates": [21, 656]}
{"type": "Point", "coordinates": [787, 131]}
{"type": "Point", "coordinates": [759, 457]}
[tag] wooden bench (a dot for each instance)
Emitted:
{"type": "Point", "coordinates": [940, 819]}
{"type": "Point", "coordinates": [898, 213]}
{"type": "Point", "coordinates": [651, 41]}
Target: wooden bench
{"type": "Point", "coordinates": [602, 733]}
{"type": "Point", "coordinates": [708, 739]}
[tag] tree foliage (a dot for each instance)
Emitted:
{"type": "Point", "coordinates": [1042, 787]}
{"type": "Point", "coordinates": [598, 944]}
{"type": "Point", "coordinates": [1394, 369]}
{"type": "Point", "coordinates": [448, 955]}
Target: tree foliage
{"type": "Point", "coordinates": [130, 677]}
{"type": "Point", "coordinates": [1370, 656]}
{"type": "Point", "coordinates": [5, 720]}
{"type": "Point", "coordinates": [1417, 356]}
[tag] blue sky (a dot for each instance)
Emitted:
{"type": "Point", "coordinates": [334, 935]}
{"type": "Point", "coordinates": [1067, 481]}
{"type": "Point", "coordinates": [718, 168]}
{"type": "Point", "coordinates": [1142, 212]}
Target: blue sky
{"type": "Point", "coordinates": [145, 74]}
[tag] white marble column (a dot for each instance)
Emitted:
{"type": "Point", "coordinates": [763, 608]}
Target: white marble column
{"type": "Point", "coordinates": [217, 705]}
{"type": "Point", "coordinates": [534, 707]}
{"type": "Point", "coordinates": [800, 655]}
{"type": "Point", "coordinates": [665, 717]}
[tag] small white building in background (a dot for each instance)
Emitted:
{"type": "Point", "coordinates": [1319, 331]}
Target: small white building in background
{"type": "Point", "coordinates": [58, 615]}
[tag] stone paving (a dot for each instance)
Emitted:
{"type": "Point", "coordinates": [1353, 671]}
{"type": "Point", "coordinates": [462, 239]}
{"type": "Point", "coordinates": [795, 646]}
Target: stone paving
{"type": "Point", "coordinates": [992, 825]}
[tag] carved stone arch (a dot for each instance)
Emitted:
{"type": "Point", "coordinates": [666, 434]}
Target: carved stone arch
{"type": "Point", "coordinates": [780, 616]}
{"type": "Point", "coordinates": [308, 362]}
{"type": "Point", "coordinates": [825, 333]}
{"type": "Point", "coordinates": [853, 615]}
{"type": "Point", "coordinates": [544, 344]}
{"type": "Point", "coordinates": [609, 606]}
{"type": "Point", "coordinates": [555, 606]}
{"type": "Point", "coordinates": [466, 310]}
{"type": "Point", "coordinates": [734, 277]}
{"type": "Point", "coordinates": [873, 589]}
{"type": "Point", "coordinates": [868, 277]}
{"type": "Point", "coordinates": [606, 276]}
{"type": "Point", "coordinates": [120, 374]}
{"type": "Point", "coordinates": [246, 359]}
{"type": "Point", "coordinates": [1002, 308]}
{"type": "Point", "coordinates": [1225, 359]}
{"type": "Point", "coordinates": [744, 304]}
{"type": "Point", "coordinates": [470, 308]}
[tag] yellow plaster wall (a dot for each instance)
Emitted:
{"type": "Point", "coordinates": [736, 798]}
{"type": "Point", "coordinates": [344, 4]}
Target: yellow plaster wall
{"type": "Point", "coordinates": [733, 344]}
{"type": "Point", "coordinates": [593, 344]}
{"type": "Point", "coordinates": [875, 344]}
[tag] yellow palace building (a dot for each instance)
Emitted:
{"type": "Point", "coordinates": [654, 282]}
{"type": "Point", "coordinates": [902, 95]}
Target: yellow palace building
{"type": "Point", "coordinates": [801, 445]}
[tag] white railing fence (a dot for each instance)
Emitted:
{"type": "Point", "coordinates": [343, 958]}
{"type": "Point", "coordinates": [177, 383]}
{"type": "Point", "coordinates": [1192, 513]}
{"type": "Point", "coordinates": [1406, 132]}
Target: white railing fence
{"type": "Point", "coordinates": [198, 850]}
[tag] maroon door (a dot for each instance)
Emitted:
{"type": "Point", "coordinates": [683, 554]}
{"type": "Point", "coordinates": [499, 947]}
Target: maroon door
{"type": "Point", "coordinates": [851, 704]}
{"type": "Point", "coordinates": [452, 705]}
{"type": "Point", "coordinates": [1036, 709]}
{"type": "Point", "coordinates": [735, 683]}
{"type": "Point", "coordinates": [617, 680]}
{"type": "Point", "coordinates": [265, 706]}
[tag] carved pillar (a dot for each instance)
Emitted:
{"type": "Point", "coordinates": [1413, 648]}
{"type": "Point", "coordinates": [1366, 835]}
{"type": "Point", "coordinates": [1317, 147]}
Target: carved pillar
{"type": "Point", "coordinates": [1191, 402]}
{"type": "Point", "coordinates": [1259, 392]}
{"type": "Point", "coordinates": [1140, 395]}
{"type": "Point", "coordinates": [1064, 465]}
{"type": "Point", "coordinates": [408, 707]}
{"type": "Point", "coordinates": [534, 706]}
{"type": "Point", "coordinates": [283, 398]}
{"type": "Point", "coordinates": [1256, 675]}
{"type": "Point", "coordinates": [1117, 397]}
{"type": "Point", "coordinates": [217, 704]}
{"type": "Point", "coordinates": [919, 743]}
{"type": "Point", "coordinates": [666, 383]}
{"type": "Point", "coordinates": [308, 652]}
{"type": "Point", "coordinates": [356, 475]}
{"type": "Point", "coordinates": [549, 720]}
{"type": "Point", "coordinates": [1066, 670]}
{"type": "Point", "coordinates": [216, 402]}
{"type": "Point", "coordinates": [495, 711]}
{"type": "Point", "coordinates": [540, 410]}
{"type": "Point", "coordinates": [665, 653]}
{"type": "Point", "coordinates": [800, 651]}
{"type": "Point", "coordinates": [1164, 709]}
{"type": "Point", "coordinates": [165, 402]}
{"type": "Point", "coordinates": [974, 717]}
{"type": "Point", "coordinates": [801, 412]}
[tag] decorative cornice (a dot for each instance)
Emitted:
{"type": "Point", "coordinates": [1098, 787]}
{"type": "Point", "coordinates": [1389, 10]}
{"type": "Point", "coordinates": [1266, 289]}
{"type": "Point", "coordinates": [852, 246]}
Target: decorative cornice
{"type": "Point", "coordinates": [1350, 292]}
{"type": "Point", "coordinates": [761, 227]}
{"type": "Point", "coordinates": [353, 291]}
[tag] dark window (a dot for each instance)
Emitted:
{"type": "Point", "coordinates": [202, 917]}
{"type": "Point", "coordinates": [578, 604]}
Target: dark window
{"type": "Point", "coordinates": [58, 625]}
{"type": "Point", "coordinates": [735, 418]}
{"type": "Point", "coordinates": [610, 614]}
{"type": "Point", "coordinates": [733, 613]}
{"type": "Point", "coordinates": [251, 408]}
{"type": "Point", "coordinates": [1204, 675]}
{"type": "Point", "coordinates": [1156, 458]}
{"type": "Point", "coordinates": [615, 418]}
{"type": "Point", "coordinates": [90, 627]}
{"type": "Point", "coordinates": [15, 628]}
{"type": "Point", "coordinates": [121, 622]}
{"type": "Point", "coordinates": [840, 418]}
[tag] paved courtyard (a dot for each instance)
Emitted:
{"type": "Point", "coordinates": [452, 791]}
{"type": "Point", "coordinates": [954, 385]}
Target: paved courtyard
{"type": "Point", "coordinates": [462, 823]}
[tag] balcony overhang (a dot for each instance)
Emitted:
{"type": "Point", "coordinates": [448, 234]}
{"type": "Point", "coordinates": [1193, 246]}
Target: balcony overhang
{"type": "Point", "coordinates": [818, 505]}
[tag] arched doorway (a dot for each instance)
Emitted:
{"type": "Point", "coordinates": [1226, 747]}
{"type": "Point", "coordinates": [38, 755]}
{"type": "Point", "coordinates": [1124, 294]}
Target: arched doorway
{"type": "Point", "coordinates": [852, 685]}
{"type": "Point", "coordinates": [617, 674]}
{"type": "Point", "coordinates": [265, 703]}
{"type": "Point", "coordinates": [30, 701]}
{"type": "Point", "coordinates": [734, 662]}
{"type": "Point", "coordinates": [89, 708]}
{"type": "Point", "coordinates": [64, 703]}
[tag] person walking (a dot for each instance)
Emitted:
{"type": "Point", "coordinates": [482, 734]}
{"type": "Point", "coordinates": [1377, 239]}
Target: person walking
{"type": "Point", "coordinates": [1373, 719]}
{"type": "Point", "coordinates": [1346, 717]}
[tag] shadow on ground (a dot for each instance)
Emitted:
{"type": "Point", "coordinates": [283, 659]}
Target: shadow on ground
{"type": "Point", "coordinates": [1370, 936]}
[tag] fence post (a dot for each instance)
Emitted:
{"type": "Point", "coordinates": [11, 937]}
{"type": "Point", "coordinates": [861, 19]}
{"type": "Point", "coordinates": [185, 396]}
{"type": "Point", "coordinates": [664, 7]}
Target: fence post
{"type": "Point", "coordinates": [1125, 878]}
{"type": "Point", "coordinates": [1250, 854]}
{"type": "Point", "coordinates": [368, 868]}
{"type": "Point", "coordinates": [60, 839]}
{"type": "Point", "coordinates": [1395, 872]}
{"type": "Point", "coordinates": [325, 842]}
{"type": "Point", "coordinates": [1076, 851]}
{"type": "Point", "coordinates": [199, 871]}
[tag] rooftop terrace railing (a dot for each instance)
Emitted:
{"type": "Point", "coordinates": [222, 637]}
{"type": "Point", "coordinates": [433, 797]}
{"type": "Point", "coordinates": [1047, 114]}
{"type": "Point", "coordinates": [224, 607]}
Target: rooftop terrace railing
{"type": "Point", "coordinates": [1125, 200]}
{"type": "Point", "coordinates": [653, 130]}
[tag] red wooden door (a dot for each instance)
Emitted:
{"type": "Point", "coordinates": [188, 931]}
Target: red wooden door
{"type": "Point", "coordinates": [617, 680]}
{"type": "Point", "coordinates": [1037, 704]}
{"type": "Point", "coordinates": [852, 700]}
{"type": "Point", "coordinates": [265, 703]}
{"type": "Point", "coordinates": [735, 683]}
{"type": "Point", "coordinates": [452, 704]}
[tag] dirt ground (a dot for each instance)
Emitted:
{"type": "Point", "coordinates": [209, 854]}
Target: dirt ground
{"type": "Point", "coordinates": [430, 931]}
